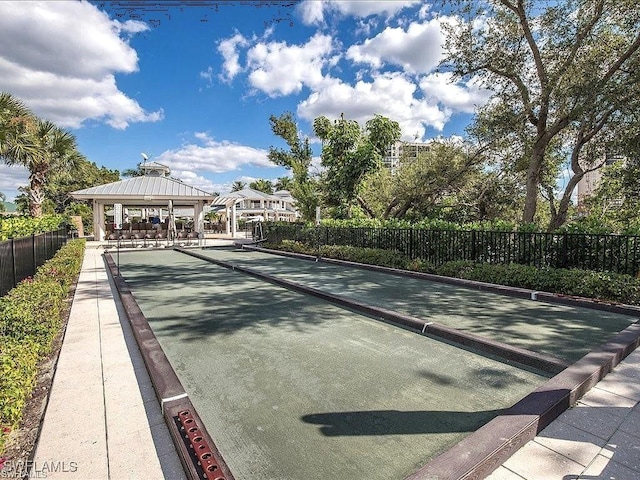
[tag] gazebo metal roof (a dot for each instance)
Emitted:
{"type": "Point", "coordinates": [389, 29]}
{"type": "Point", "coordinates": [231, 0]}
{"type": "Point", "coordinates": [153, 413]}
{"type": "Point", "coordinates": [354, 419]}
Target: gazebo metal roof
{"type": "Point", "coordinates": [144, 190]}
{"type": "Point", "coordinates": [227, 200]}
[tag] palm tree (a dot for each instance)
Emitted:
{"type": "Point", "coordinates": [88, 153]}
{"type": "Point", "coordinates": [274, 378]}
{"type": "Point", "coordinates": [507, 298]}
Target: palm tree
{"type": "Point", "coordinates": [54, 149]}
{"type": "Point", "coordinates": [238, 185]}
{"type": "Point", "coordinates": [132, 172]}
{"type": "Point", "coordinates": [284, 183]}
{"type": "Point", "coordinates": [265, 186]}
{"type": "Point", "coordinates": [38, 145]}
{"type": "Point", "coordinates": [15, 120]}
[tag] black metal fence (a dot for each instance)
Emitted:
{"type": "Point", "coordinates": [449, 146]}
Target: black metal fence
{"type": "Point", "coordinates": [20, 257]}
{"type": "Point", "coordinates": [599, 252]}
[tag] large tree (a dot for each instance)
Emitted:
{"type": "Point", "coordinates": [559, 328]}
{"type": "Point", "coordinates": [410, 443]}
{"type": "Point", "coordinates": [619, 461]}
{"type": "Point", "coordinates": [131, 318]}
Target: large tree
{"type": "Point", "coordinates": [85, 174]}
{"type": "Point", "coordinates": [447, 180]}
{"type": "Point", "coordinates": [303, 186]}
{"type": "Point", "coordinates": [564, 77]}
{"type": "Point", "coordinates": [50, 149]}
{"type": "Point", "coordinates": [350, 154]}
{"type": "Point", "coordinates": [38, 145]}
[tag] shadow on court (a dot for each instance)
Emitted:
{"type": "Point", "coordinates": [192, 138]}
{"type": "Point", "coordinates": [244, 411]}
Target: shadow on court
{"type": "Point", "coordinates": [206, 299]}
{"type": "Point", "coordinates": [394, 422]}
{"type": "Point", "coordinates": [294, 387]}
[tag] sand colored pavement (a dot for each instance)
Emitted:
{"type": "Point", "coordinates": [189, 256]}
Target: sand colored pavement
{"type": "Point", "coordinates": [103, 420]}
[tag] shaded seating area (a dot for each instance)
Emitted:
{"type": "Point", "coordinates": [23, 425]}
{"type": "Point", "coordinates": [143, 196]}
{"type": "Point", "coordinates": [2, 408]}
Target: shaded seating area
{"type": "Point", "coordinates": [145, 234]}
{"type": "Point", "coordinates": [139, 234]}
{"type": "Point", "coordinates": [186, 234]}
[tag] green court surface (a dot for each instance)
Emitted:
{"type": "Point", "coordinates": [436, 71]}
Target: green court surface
{"type": "Point", "coordinates": [292, 387]}
{"type": "Point", "coordinates": [565, 332]}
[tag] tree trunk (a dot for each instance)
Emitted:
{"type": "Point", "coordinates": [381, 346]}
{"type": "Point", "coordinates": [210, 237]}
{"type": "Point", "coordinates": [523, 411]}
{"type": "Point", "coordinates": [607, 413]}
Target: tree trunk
{"type": "Point", "coordinates": [533, 181]}
{"type": "Point", "coordinates": [366, 207]}
{"type": "Point", "coordinates": [560, 217]}
{"type": "Point", "coordinates": [403, 209]}
{"type": "Point", "coordinates": [36, 194]}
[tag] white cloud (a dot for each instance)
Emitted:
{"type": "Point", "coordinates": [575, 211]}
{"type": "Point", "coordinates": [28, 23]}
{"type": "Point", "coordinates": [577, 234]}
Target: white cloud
{"type": "Point", "coordinates": [416, 50]}
{"type": "Point", "coordinates": [389, 94]}
{"type": "Point", "coordinates": [228, 48]}
{"type": "Point", "coordinates": [207, 74]}
{"type": "Point", "coordinates": [212, 156]}
{"type": "Point", "coordinates": [313, 11]}
{"type": "Point", "coordinates": [281, 69]}
{"type": "Point", "coordinates": [191, 178]}
{"type": "Point", "coordinates": [459, 97]}
{"type": "Point", "coordinates": [60, 58]}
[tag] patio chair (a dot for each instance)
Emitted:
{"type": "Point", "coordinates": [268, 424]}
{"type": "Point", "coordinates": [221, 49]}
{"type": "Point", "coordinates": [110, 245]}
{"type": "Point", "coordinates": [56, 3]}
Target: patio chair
{"type": "Point", "coordinates": [148, 234]}
{"type": "Point", "coordinates": [192, 235]}
{"type": "Point", "coordinates": [137, 237]}
{"type": "Point", "coordinates": [181, 236]}
{"type": "Point", "coordinates": [112, 237]}
{"type": "Point", "coordinates": [161, 235]}
{"type": "Point", "coordinates": [125, 235]}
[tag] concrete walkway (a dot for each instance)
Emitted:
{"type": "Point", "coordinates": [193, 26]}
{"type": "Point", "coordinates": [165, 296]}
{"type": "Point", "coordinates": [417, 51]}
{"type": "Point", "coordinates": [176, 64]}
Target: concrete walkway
{"type": "Point", "coordinates": [597, 439]}
{"type": "Point", "coordinates": [103, 420]}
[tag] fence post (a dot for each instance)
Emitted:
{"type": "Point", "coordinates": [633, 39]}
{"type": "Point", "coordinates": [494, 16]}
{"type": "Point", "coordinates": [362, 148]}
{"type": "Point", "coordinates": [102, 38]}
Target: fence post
{"type": "Point", "coordinates": [33, 251]}
{"type": "Point", "coordinates": [474, 254]}
{"type": "Point", "coordinates": [13, 258]}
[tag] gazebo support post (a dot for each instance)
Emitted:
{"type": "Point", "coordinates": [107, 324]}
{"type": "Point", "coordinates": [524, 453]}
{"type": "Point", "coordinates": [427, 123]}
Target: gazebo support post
{"type": "Point", "coordinates": [234, 223]}
{"type": "Point", "coordinates": [98, 221]}
{"type": "Point", "coordinates": [198, 219]}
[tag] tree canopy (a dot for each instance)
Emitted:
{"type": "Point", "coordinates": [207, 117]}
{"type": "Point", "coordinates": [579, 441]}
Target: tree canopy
{"type": "Point", "coordinates": [39, 145]}
{"type": "Point", "coordinates": [238, 185]}
{"type": "Point", "coordinates": [297, 159]}
{"type": "Point", "coordinates": [349, 154]}
{"type": "Point", "coordinates": [565, 82]}
{"type": "Point", "coordinates": [50, 154]}
{"type": "Point", "coordinates": [262, 185]}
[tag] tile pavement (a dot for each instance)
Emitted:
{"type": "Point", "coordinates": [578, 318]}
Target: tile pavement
{"type": "Point", "coordinates": [599, 438]}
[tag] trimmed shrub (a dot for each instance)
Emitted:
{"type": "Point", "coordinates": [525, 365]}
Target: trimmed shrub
{"type": "Point", "coordinates": [31, 316]}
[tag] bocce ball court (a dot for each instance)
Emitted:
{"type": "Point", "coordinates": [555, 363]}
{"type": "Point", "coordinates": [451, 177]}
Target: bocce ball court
{"type": "Point", "coordinates": [299, 368]}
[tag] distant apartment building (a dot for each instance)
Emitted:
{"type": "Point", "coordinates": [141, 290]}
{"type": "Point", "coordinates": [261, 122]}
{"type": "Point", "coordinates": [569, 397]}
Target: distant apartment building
{"type": "Point", "coordinates": [399, 150]}
{"type": "Point", "coordinates": [591, 180]}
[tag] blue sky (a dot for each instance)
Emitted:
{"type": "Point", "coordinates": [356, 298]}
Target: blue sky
{"type": "Point", "coordinates": [194, 86]}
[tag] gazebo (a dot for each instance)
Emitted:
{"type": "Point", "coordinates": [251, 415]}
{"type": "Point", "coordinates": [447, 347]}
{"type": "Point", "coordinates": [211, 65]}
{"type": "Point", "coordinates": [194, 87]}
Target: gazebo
{"type": "Point", "coordinates": [154, 189]}
{"type": "Point", "coordinates": [249, 203]}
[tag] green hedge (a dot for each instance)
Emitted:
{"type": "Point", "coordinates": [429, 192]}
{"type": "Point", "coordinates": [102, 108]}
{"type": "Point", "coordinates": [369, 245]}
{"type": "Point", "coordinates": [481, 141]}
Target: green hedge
{"type": "Point", "coordinates": [31, 316]}
{"type": "Point", "coordinates": [16, 227]}
{"type": "Point", "coordinates": [612, 287]}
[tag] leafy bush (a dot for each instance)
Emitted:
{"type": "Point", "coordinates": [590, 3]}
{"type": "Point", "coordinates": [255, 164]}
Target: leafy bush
{"type": "Point", "coordinates": [370, 256]}
{"type": "Point", "coordinates": [16, 227]}
{"type": "Point", "coordinates": [613, 287]}
{"type": "Point", "coordinates": [30, 318]}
